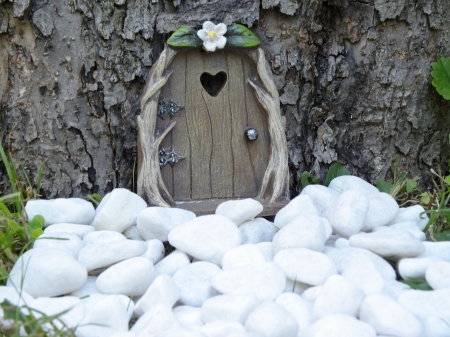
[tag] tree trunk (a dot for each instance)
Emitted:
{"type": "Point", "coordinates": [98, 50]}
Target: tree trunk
{"type": "Point", "coordinates": [353, 78]}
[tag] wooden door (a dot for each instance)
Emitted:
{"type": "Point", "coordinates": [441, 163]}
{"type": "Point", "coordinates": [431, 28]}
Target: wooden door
{"type": "Point", "coordinates": [219, 162]}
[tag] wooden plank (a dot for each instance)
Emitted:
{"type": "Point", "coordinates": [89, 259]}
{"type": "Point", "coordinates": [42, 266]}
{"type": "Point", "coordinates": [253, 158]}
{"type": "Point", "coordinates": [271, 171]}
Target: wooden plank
{"type": "Point", "coordinates": [219, 113]}
{"type": "Point", "coordinates": [244, 178]}
{"type": "Point", "coordinates": [199, 129]}
{"type": "Point", "coordinates": [257, 118]}
{"type": "Point", "coordinates": [204, 207]}
{"type": "Point", "coordinates": [180, 136]}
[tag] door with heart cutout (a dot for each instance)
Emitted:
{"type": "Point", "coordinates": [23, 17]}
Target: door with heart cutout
{"type": "Point", "coordinates": [218, 106]}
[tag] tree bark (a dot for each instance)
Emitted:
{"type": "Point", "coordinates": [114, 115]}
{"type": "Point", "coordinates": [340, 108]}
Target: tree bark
{"type": "Point", "coordinates": [353, 78]}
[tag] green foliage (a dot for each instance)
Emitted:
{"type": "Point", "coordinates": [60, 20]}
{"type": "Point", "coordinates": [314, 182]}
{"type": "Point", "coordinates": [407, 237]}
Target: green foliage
{"type": "Point", "coordinates": [417, 283]}
{"type": "Point", "coordinates": [335, 170]}
{"type": "Point", "coordinates": [34, 322]}
{"type": "Point", "coordinates": [441, 76]}
{"type": "Point", "coordinates": [401, 189]}
{"type": "Point", "coordinates": [239, 36]}
{"type": "Point", "coordinates": [17, 234]}
{"type": "Point", "coordinates": [184, 37]}
{"type": "Point", "coordinates": [95, 198]}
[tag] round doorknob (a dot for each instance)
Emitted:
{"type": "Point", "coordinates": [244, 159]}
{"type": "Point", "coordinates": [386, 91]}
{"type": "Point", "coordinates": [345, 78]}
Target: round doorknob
{"type": "Point", "coordinates": [251, 134]}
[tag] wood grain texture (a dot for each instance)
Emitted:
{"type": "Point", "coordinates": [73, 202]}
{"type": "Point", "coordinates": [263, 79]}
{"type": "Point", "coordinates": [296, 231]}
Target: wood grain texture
{"type": "Point", "coordinates": [220, 163]}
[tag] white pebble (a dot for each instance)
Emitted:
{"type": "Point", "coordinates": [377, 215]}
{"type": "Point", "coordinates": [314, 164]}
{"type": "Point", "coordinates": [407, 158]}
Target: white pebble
{"type": "Point", "coordinates": [241, 256]}
{"type": "Point", "coordinates": [172, 263]}
{"type": "Point", "coordinates": [299, 206]}
{"type": "Point", "coordinates": [67, 242]}
{"type": "Point", "coordinates": [234, 308]}
{"type": "Point", "coordinates": [438, 275]}
{"type": "Point", "coordinates": [239, 211]}
{"type": "Point", "coordinates": [257, 230]}
{"type": "Point", "coordinates": [80, 230]}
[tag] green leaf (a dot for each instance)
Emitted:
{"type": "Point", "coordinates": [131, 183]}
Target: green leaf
{"type": "Point", "coordinates": [441, 76]}
{"type": "Point", "coordinates": [442, 236]}
{"type": "Point", "coordinates": [36, 233]}
{"type": "Point", "coordinates": [334, 171]}
{"type": "Point", "coordinates": [417, 283]}
{"type": "Point", "coordinates": [37, 222]}
{"type": "Point", "coordinates": [425, 198]}
{"type": "Point", "coordinates": [307, 178]}
{"type": "Point", "coordinates": [384, 186]}
{"type": "Point", "coordinates": [239, 36]}
{"type": "Point", "coordinates": [411, 184]}
{"type": "Point", "coordinates": [447, 180]}
{"type": "Point", "coordinates": [95, 198]}
{"type": "Point", "coordinates": [184, 37]}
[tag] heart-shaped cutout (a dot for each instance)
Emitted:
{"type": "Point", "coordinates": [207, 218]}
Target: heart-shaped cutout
{"type": "Point", "coordinates": [213, 84]}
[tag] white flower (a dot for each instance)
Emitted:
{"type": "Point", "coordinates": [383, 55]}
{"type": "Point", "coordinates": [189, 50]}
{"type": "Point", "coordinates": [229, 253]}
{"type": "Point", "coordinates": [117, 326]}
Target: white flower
{"type": "Point", "coordinates": [212, 35]}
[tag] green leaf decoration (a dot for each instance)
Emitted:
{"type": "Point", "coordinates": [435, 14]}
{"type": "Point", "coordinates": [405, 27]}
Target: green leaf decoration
{"type": "Point", "coordinates": [335, 170]}
{"type": "Point", "coordinates": [411, 184]}
{"type": "Point", "coordinates": [307, 179]}
{"type": "Point", "coordinates": [441, 76]}
{"type": "Point", "coordinates": [184, 37]}
{"type": "Point", "coordinates": [37, 222]}
{"type": "Point", "coordinates": [384, 186]}
{"type": "Point", "coordinates": [417, 283]}
{"type": "Point", "coordinates": [239, 36]}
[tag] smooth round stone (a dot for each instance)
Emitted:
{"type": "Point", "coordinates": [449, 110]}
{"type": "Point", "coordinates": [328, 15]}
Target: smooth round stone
{"type": "Point", "coordinates": [132, 233]}
{"type": "Point", "coordinates": [328, 228]}
{"type": "Point", "coordinates": [67, 242]}
{"type": "Point", "coordinates": [412, 213]}
{"type": "Point", "coordinates": [189, 316]}
{"type": "Point", "coordinates": [266, 248]}
{"type": "Point", "coordinates": [104, 315]}
{"type": "Point", "coordinates": [338, 296]}
{"type": "Point", "coordinates": [48, 272]}
{"type": "Point", "coordinates": [321, 196]}
{"type": "Point", "coordinates": [271, 319]}
{"type": "Point", "coordinates": [241, 256]}
{"type": "Point", "coordinates": [345, 183]}
{"type": "Point", "coordinates": [172, 263]}
{"type": "Point", "coordinates": [340, 325]}
{"type": "Point", "coordinates": [15, 297]}
{"type": "Point", "coordinates": [305, 231]}
{"type": "Point", "coordinates": [440, 250]}
{"type": "Point", "coordinates": [295, 287]}
{"type": "Point", "coordinates": [299, 206]}
{"type": "Point", "coordinates": [54, 211]}
{"type": "Point", "coordinates": [394, 288]}
{"type": "Point", "coordinates": [438, 275]}
{"type": "Point", "coordinates": [98, 237]}
{"type": "Point", "coordinates": [124, 333]}
{"type": "Point", "coordinates": [118, 210]}
{"type": "Point", "coordinates": [162, 292]}
{"type": "Point", "coordinates": [233, 308]}
{"type": "Point", "coordinates": [305, 265]}
{"type": "Point", "coordinates": [415, 267]}
{"type": "Point", "coordinates": [70, 305]}
{"type": "Point", "coordinates": [388, 317]}
{"type": "Point", "coordinates": [389, 243]}
{"type": "Point", "coordinates": [312, 293]}
{"type": "Point", "coordinates": [382, 209]}
{"type": "Point", "coordinates": [436, 327]}
{"type": "Point", "coordinates": [182, 332]}
{"type": "Point", "coordinates": [206, 238]}
{"type": "Point", "coordinates": [155, 251]}
{"type": "Point", "coordinates": [239, 211]}
{"type": "Point", "coordinates": [102, 255]}
{"type": "Point", "coordinates": [194, 282]}
{"type": "Point", "coordinates": [131, 277]}
{"type": "Point", "coordinates": [222, 328]}
{"type": "Point", "coordinates": [299, 307]}
{"type": "Point", "coordinates": [257, 230]}
{"type": "Point", "coordinates": [364, 273]}
{"type": "Point", "coordinates": [265, 280]}
{"type": "Point", "coordinates": [88, 288]}
{"type": "Point", "coordinates": [155, 321]}
{"type": "Point", "coordinates": [425, 303]}
{"type": "Point", "coordinates": [409, 226]}
{"type": "Point", "coordinates": [80, 230]}
{"type": "Point", "coordinates": [341, 243]}
{"type": "Point", "coordinates": [418, 234]}
{"type": "Point", "coordinates": [348, 212]}
{"type": "Point", "coordinates": [157, 222]}
{"type": "Point", "coordinates": [344, 256]}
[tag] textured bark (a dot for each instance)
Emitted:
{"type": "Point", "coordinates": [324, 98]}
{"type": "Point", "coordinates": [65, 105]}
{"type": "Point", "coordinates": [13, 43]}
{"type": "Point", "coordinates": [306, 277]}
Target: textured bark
{"type": "Point", "coordinates": [353, 79]}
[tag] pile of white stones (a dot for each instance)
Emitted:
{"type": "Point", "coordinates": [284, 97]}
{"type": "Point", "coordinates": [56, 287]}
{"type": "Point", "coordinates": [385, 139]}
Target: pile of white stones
{"type": "Point", "coordinates": [321, 269]}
